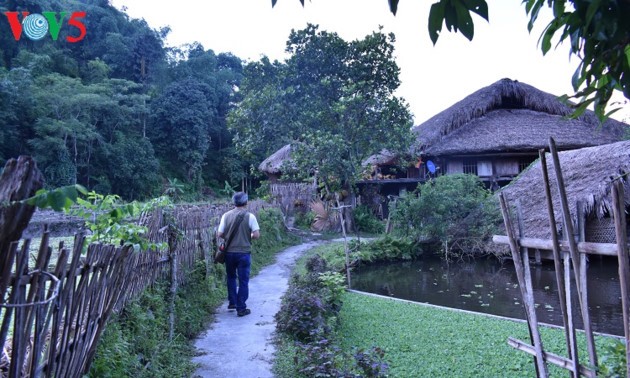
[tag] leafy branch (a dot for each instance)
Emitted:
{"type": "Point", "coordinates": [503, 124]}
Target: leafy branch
{"type": "Point", "coordinates": [106, 216]}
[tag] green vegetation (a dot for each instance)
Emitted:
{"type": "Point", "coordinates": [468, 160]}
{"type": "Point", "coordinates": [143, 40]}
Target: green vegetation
{"type": "Point", "coordinates": [424, 341]}
{"type": "Point", "coordinates": [307, 321]}
{"type": "Point", "coordinates": [455, 211]}
{"type": "Point", "coordinates": [273, 238]}
{"type": "Point", "coordinates": [332, 100]}
{"type": "Point", "coordinates": [366, 221]}
{"type": "Point", "coordinates": [117, 112]}
{"type": "Point", "coordinates": [136, 342]}
{"type": "Point", "coordinates": [386, 248]}
{"type": "Point", "coordinates": [402, 339]}
{"type": "Point", "coordinates": [304, 220]}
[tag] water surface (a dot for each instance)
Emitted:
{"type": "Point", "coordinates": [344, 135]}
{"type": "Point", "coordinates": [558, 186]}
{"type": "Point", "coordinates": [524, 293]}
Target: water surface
{"type": "Point", "coordinates": [488, 286]}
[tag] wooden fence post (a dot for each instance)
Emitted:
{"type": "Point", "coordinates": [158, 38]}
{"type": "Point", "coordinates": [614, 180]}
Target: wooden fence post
{"type": "Point", "coordinates": [20, 180]}
{"type": "Point", "coordinates": [172, 254]}
{"type": "Point", "coordinates": [622, 253]}
{"type": "Point", "coordinates": [528, 297]}
{"type": "Point", "coordinates": [575, 258]}
{"type": "Point", "coordinates": [569, 330]}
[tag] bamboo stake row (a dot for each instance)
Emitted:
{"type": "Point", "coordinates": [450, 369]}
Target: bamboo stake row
{"type": "Point", "coordinates": [567, 255]}
{"type": "Point", "coordinates": [51, 321]}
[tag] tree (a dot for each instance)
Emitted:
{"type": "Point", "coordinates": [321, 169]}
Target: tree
{"type": "Point", "coordinates": [332, 100]}
{"type": "Point", "coordinates": [598, 32]}
{"type": "Point", "coordinates": [181, 118]}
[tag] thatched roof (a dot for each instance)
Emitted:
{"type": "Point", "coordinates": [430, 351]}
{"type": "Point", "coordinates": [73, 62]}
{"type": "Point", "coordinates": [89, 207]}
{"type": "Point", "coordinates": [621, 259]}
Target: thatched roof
{"type": "Point", "coordinates": [273, 164]}
{"type": "Point", "coordinates": [384, 157]}
{"type": "Point", "coordinates": [587, 174]}
{"type": "Point", "coordinates": [510, 116]}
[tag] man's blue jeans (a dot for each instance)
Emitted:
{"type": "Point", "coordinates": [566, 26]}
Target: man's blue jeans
{"type": "Point", "coordinates": [237, 266]}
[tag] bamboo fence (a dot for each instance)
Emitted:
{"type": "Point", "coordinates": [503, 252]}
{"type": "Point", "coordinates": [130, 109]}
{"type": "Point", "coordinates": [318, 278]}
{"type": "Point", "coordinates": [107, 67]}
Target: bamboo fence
{"type": "Point", "coordinates": [52, 315]}
{"type": "Point", "coordinates": [570, 261]}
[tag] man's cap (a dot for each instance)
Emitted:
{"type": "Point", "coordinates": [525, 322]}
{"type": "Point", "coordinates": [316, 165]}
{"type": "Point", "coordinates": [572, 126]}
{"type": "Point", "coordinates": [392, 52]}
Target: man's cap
{"type": "Point", "coordinates": [240, 198]}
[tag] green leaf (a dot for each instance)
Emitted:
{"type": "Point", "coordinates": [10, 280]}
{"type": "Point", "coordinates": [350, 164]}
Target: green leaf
{"type": "Point", "coordinates": [535, 9]}
{"type": "Point", "coordinates": [590, 12]}
{"type": "Point", "coordinates": [545, 44]}
{"type": "Point", "coordinates": [436, 18]}
{"type": "Point", "coordinates": [464, 21]}
{"type": "Point", "coordinates": [57, 200]}
{"type": "Point", "coordinates": [71, 193]}
{"type": "Point", "coordinates": [450, 17]}
{"type": "Point", "coordinates": [627, 52]}
{"type": "Point", "coordinates": [81, 189]}
{"type": "Point", "coordinates": [577, 80]}
{"type": "Point", "coordinates": [581, 108]}
{"type": "Point", "coordinates": [558, 8]}
{"type": "Point", "coordinates": [480, 7]}
{"type": "Point", "coordinates": [393, 6]}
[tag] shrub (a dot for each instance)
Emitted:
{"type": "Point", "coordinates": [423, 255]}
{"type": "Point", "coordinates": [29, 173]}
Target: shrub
{"type": "Point", "coordinates": [302, 315]}
{"type": "Point", "coordinates": [307, 320]}
{"type": "Point", "coordinates": [386, 248]}
{"type": "Point", "coordinates": [304, 220]}
{"type": "Point", "coordinates": [305, 312]}
{"type": "Point", "coordinates": [453, 210]}
{"type": "Point", "coordinates": [366, 221]}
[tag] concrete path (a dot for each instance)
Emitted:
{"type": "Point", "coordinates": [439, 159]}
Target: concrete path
{"type": "Point", "coordinates": [242, 347]}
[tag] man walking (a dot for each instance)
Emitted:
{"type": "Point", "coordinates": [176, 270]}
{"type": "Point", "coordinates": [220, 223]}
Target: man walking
{"type": "Point", "coordinates": [238, 227]}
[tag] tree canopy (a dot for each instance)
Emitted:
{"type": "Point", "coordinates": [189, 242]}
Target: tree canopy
{"type": "Point", "coordinates": [116, 112]}
{"type": "Point", "coordinates": [332, 100]}
{"type": "Point", "coordinates": [598, 32]}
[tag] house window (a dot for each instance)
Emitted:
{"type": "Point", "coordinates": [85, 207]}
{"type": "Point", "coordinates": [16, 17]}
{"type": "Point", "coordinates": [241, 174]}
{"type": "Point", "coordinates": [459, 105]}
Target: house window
{"type": "Point", "coordinates": [470, 166]}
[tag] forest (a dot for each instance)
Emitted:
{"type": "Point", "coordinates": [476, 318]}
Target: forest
{"type": "Point", "coordinates": [120, 112]}
{"type": "Point", "coordinates": [117, 112]}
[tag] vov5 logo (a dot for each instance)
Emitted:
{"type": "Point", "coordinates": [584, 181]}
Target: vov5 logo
{"type": "Point", "coordinates": [35, 26]}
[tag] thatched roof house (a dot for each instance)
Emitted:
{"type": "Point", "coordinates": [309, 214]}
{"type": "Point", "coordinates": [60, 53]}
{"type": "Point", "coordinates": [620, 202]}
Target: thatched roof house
{"type": "Point", "coordinates": [587, 173]}
{"type": "Point", "coordinates": [510, 116]}
{"type": "Point", "coordinates": [273, 165]}
{"type": "Point", "coordinates": [496, 131]}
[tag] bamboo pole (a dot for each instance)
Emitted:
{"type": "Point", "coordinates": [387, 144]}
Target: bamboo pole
{"type": "Point", "coordinates": [552, 358]}
{"type": "Point", "coordinates": [345, 239]}
{"type": "Point", "coordinates": [581, 236]}
{"type": "Point", "coordinates": [569, 331]}
{"type": "Point", "coordinates": [5, 281]}
{"type": "Point", "coordinates": [573, 346]}
{"type": "Point", "coordinates": [18, 297]}
{"type": "Point", "coordinates": [541, 367]}
{"type": "Point", "coordinates": [528, 298]}
{"type": "Point", "coordinates": [619, 214]}
{"type": "Point", "coordinates": [568, 227]}
{"type": "Point", "coordinates": [600, 249]}
{"type": "Point", "coordinates": [172, 248]}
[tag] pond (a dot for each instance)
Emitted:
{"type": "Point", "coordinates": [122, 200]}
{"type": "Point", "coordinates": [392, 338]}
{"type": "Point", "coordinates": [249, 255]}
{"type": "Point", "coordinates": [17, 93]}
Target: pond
{"type": "Point", "coordinates": [489, 286]}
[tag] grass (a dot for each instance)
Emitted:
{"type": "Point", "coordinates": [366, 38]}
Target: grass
{"type": "Point", "coordinates": [135, 343]}
{"type": "Point", "coordinates": [423, 341]}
